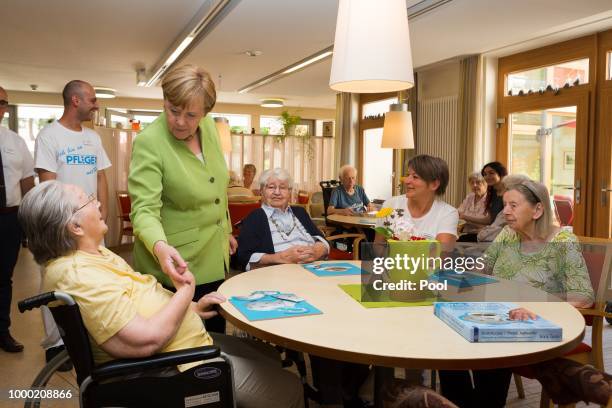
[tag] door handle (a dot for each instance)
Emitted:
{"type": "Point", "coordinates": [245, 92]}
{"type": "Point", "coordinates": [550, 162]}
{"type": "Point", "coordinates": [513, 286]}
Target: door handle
{"type": "Point", "coordinates": [576, 189]}
{"type": "Point", "coordinates": [604, 190]}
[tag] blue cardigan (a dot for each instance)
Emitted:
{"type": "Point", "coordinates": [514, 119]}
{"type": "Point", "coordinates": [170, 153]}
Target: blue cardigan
{"type": "Point", "coordinates": [255, 235]}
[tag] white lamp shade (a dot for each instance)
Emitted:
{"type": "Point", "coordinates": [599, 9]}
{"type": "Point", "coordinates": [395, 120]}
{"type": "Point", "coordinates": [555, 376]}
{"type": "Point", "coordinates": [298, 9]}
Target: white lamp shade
{"type": "Point", "coordinates": [372, 47]}
{"type": "Point", "coordinates": [225, 136]}
{"type": "Point", "coordinates": [397, 132]}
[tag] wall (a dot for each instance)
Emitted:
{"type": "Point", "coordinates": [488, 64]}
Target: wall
{"type": "Point", "coordinates": [438, 81]}
{"type": "Point", "coordinates": [42, 98]}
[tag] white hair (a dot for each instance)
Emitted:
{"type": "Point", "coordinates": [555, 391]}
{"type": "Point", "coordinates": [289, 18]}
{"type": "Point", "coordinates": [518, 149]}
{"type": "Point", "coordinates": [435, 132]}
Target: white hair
{"type": "Point", "coordinates": [344, 169]}
{"type": "Point", "coordinates": [278, 173]}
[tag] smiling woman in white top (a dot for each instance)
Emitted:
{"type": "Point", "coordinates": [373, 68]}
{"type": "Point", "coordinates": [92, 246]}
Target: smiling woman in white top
{"type": "Point", "coordinates": [431, 217]}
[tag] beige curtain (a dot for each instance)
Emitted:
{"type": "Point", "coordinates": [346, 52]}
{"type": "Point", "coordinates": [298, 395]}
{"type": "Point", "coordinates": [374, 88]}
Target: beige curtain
{"type": "Point", "coordinates": [307, 162]}
{"type": "Point", "coordinates": [118, 146]}
{"type": "Point", "coordinates": [347, 131]}
{"type": "Point", "coordinates": [469, 121]}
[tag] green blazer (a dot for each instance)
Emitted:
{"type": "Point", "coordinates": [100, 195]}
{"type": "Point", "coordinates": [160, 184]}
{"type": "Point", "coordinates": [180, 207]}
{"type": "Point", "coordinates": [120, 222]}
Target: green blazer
{"type": "Point", "coordinates": [178, 199]}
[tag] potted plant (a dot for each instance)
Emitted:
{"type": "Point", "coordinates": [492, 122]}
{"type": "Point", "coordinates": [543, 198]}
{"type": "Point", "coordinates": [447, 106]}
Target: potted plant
{"type": "Point", "coordinates": [288, 121]}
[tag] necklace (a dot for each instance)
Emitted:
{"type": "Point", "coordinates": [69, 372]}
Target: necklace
{"type": "Point", "coordinates": [284, 233]}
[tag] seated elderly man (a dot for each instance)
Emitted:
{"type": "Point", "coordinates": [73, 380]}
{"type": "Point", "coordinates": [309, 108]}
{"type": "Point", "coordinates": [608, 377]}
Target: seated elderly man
{"type": "Point", "coordinates": [128, 314]}
{"type": "Point", "coordinates": [277, 233]}
{"type": "Point", "coordinates": [348, 198]}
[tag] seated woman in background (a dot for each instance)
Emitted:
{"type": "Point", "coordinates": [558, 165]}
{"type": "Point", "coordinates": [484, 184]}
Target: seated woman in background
{"type": "Point", "coordinates": [472, 209]}
{"type": "Point", "coordinates": [235, 191]}
{"type": "Point", "coordinates": [431, 217]}
{"type": "Point", "coordinates": [348, 198]}
{"type": "Point", "coordinates": [277, 233]}
{"type": "Point", "coordinates": [532, 250]}
{"type": "Point", "coordinates": [248, 176]}
{"type": "Point", "coordinates": [494, 173]}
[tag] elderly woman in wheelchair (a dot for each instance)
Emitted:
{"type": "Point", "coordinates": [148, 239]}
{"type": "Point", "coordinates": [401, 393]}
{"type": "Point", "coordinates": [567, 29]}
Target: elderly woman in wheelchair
{"type": "Point", "coordinates": [129, 315]}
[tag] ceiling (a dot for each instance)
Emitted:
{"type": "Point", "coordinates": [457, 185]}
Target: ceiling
{"type": "Point", "coordinates": [48, 43]}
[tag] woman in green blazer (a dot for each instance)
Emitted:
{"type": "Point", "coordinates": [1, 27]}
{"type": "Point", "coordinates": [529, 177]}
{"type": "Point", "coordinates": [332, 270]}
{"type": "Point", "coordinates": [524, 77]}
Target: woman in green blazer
{"type": "Point", "coordinates": [177, 182]}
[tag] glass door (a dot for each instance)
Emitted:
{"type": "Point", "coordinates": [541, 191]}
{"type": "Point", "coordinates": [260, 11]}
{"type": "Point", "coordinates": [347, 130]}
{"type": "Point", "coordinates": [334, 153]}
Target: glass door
{"type": "Point", "coordinates": [547, 141]}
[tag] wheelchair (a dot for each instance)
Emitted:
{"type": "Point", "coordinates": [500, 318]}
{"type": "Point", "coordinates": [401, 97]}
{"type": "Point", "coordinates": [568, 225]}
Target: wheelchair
{"type": "Point", "coordinates": [133, 382]}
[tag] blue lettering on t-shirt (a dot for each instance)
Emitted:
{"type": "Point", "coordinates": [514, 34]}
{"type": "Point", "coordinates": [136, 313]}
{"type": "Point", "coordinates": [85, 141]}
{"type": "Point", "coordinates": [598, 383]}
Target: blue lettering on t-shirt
{"type": "Point", "coordinates": [78, 159]}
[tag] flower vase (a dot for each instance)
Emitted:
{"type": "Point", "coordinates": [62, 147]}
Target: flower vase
{"type": "Point", "coordinates": [419, 251]}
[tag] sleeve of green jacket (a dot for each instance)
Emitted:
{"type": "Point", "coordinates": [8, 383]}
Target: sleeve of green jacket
{"type": "Point", "coordinates": [145, 185]}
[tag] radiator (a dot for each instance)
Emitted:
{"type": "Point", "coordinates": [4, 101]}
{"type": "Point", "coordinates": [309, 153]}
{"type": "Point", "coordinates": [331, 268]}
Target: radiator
{"type": "Point", "coordinates": [437, 136]}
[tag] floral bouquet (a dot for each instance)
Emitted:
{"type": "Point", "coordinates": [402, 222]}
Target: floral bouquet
{"type": "Point", "coordinates": [395, 226]}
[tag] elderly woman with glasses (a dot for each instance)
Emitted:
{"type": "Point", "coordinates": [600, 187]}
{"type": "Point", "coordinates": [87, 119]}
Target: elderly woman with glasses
{"type": "Point", "coordinates": [129, 315]}
{"type": "Point", "coordinates": [530, 249]}
{"type": "Point", "coordinates": [277, 233]}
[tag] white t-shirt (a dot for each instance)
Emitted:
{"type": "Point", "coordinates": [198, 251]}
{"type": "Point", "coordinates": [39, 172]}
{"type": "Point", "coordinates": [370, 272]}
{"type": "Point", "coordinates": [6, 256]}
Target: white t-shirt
{"type": "Point", "coordinates": [76, 157]}
{"type": "Point", "coordinates": [442, 218]}
{"type": "Point", "coordinates": [17, 164]}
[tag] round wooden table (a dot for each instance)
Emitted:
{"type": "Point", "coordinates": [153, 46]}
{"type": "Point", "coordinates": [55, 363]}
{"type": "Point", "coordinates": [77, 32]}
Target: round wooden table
{"type": "Point", "coordinates": [350, 221]}
{"type": "Point", "coordinates": [410, 337]}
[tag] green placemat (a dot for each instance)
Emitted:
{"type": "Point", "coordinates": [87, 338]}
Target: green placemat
{"type": "Point", "coordinates": [354, 291]}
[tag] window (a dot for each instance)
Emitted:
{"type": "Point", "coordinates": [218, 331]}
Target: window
{"type": "Point", "coordinates": [31, 119]}
{"type": "Point", "coordinates": [609, 65]}
{"type": "Point", "coordinates": [238, 123]}
{"type": "Point", "coordinates": [6, 120]}
{"type": "Point", "coordinates": [270, 125]}
{"type": "Point", "coordinates": [554, 75]}
{"type": "Point", "coordinates": [377, 108]}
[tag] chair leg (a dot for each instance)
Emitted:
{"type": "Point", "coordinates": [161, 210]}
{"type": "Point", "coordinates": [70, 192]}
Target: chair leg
{"type": "Point", "coordinates": [518, 381]}
{"type": "Point", "coordinates": [545, 401]}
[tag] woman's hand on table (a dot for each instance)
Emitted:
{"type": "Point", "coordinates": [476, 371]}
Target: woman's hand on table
{"type": "Point", "coordinates": [233, 245]}
{"type": "Point", "coordinates": [170, 261]}
{"type": "Point", "coordinates": [206, 304]}
{"type": "Point", "coordinates": [522, 314]}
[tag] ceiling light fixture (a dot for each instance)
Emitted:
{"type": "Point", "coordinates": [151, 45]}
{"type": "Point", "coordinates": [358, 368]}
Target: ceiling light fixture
{"type": "Point", "coordinates": [141, 77]}
{"type": "Point", "coordinates": [272, 103]}
{"type": "Point", "coordinates": [316, 57]}
{"type": "Point", "coordinates": [377, 59]}
{"type": "Point", "coordinates": [253, 53]}
{"type": "Point", "coordinates": [204, 21]}
{"type": "Point", "coordinates": [104, 93]}
{"type": "Point", "coordinates": [397, 130]}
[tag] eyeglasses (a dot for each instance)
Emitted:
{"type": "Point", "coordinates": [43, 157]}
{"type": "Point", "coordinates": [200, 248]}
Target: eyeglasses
{"type": "Point", "coordinates": [3, 103]}
{"type": "Point", "coordinates": [271, 188]}
{"type": "Point", "coordinates": [90, 199]}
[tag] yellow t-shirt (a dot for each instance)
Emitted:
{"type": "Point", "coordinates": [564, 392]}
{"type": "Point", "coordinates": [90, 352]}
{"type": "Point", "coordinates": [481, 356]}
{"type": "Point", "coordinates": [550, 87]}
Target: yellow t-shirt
{"type": "Point", "coordinates": [110, 293]}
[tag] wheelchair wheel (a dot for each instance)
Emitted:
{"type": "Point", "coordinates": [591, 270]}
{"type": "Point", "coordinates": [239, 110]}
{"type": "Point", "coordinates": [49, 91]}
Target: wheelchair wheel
{"type": "Point", "coordinates": [49, 377]}
{"type": "Point", "coordinates": [609, 310]}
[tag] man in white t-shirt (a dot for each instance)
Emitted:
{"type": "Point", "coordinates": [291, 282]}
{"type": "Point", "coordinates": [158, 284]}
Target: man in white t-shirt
{"type": "Point", "coordinates": [73, 154]}
{"type": "Point", "coordinates": [16, 179]}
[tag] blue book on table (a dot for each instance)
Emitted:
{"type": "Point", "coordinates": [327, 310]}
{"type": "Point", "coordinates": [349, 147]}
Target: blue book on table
{"type": "Point", "coordinates": [272, 305]}
{"type": "Point", "coordinates": [333, 269]}
{"type": "Point", "coordinates": [489, 322]}
{"type": "Point", "coordinates": [461, 280]}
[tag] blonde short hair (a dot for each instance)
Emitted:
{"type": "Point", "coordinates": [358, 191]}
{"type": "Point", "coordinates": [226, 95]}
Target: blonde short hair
{"type": "Point", "coordinates": [186, 83]}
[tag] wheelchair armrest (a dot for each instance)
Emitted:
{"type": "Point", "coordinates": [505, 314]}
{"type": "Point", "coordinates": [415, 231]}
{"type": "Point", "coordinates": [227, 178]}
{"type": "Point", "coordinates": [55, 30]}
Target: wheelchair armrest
{"type": "Point", "coordinates": [134, 365]}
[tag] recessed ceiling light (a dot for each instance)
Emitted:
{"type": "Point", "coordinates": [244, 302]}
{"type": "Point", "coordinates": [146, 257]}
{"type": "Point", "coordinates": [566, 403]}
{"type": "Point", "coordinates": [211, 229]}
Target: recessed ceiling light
{"type": "Point", "coordinates": [253, 53]}
{"type": "Point", "coordinates": [104, 93]}
{"type": "Point", "coordinates": [272, 103]}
